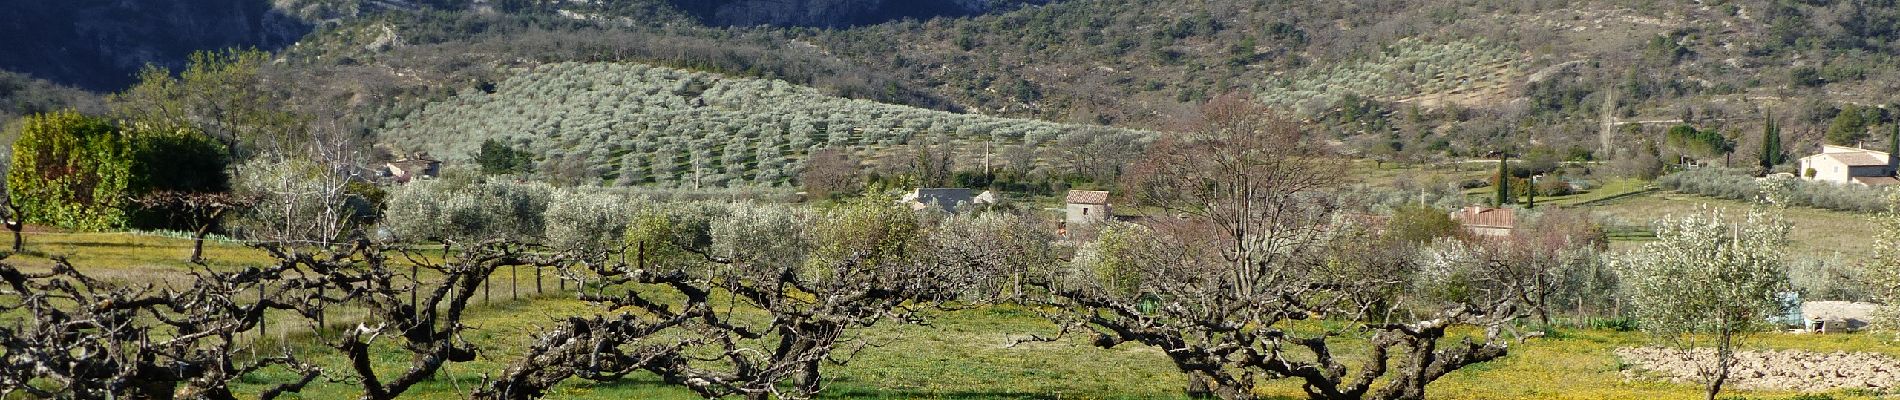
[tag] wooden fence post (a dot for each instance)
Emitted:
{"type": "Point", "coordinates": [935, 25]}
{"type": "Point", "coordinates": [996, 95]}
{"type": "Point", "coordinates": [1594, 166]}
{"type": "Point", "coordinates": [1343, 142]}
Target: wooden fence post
{"type": "Point", "coordinates": [321, 311]}
{"type": "Point", "coordinates": [537, 280]}
{"type": "Point", "coordinates": [263, 320]}
{"type": "Point", "coordinates": [514, 283]}
{"type": "Point", "coordinates": [415, 304]}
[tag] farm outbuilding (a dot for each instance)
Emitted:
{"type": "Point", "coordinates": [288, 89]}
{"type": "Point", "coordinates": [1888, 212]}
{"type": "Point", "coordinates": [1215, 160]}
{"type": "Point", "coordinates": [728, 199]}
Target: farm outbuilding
{"type": "Point", "coordinates": [1087, 206]}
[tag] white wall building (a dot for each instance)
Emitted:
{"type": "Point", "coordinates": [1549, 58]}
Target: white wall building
{"type": "Point", "coordinates": [1842, 164]}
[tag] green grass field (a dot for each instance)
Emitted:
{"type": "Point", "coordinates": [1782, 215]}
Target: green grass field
{"type": "Point", "coordinates": [1815, 232]}
{"type": "Point", "coordinates": [968, 354]}
{"type": "Point", "coordinates": [1629, 206]}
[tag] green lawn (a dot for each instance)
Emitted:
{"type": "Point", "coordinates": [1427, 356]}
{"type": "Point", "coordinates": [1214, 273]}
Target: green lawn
{"type": "Point", "coordinates": [1373, 173]}
{"type": "Point", "coordinates": [1609, 189]}
{"type": "Point", "coordinates": [128, 251]}
{"type": "Point", "coordinates": [966, 354]}
{"type": "Point", "coordinates": [1816, 232]}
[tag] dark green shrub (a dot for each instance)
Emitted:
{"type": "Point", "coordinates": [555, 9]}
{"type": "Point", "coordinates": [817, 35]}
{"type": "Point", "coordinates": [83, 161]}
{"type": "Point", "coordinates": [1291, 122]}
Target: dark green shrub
{"type": "Point", "coordinates": [80, 172]}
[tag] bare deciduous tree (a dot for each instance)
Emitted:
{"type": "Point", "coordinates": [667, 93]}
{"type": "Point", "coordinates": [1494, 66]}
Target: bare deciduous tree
{"type": "Point", "coordinates": [931, 161]}
{"type": "Point", "coordinates": [1100, 155]}
{"type": "Point", "coordinates": [1252, 252]}
{"type": "Point", "coordinates": [88, 338]}
{"type": "Point", "coordinates": [424, 318]}
{"type": "Point", "coordinates": [820, 277]}
{"type": "Point", "coordinates": [829, 172]}
{"type": "Point", "coordinates": [202, 211]}
{"type": "Point", "coordinates": [298, 200]}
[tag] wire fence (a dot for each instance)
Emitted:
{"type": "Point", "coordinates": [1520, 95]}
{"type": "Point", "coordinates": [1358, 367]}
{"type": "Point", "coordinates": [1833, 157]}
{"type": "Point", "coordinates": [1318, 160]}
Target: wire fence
{"type": "Point", "coordinates": [180, 235]}
{"type": "Point", "coordinates": [504, 286]}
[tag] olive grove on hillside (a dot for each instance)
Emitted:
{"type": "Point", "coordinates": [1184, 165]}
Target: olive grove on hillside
{"type": "Point", "coordinates": [639, 124]}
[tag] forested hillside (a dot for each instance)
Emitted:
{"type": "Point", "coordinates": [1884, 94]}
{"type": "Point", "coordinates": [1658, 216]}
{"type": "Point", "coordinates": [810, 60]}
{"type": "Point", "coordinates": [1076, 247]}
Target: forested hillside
{"type": "Point", "coordinates": [1404, 80]}
{"type": "Point", "coordinates": [636, 124]}
{"type": "Point", "coordinates": [834, 13]}
{"type": "Point", "coordinates": [100, 44]}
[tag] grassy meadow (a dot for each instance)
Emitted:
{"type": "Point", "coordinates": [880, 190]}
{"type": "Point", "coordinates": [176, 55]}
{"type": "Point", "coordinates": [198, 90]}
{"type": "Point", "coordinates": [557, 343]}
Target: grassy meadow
{"type": "Point", "coordinates": [968, 354]}
{"type": "Point", "coordinates": [1815, 232]}
{"type": "Point", "coordinates": [1628, 206]}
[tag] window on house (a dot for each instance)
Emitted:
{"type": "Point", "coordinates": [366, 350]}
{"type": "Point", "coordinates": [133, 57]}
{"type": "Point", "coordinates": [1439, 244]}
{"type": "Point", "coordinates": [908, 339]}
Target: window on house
{"type": "Point", "coordinates": [1085, 211]}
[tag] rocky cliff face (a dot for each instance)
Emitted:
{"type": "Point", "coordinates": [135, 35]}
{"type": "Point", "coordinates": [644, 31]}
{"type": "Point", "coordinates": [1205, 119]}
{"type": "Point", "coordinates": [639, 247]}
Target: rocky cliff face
{"type": "Point", "coordinates": [101, 44]}
{"type": "Point", "coordinates": [833, 13]}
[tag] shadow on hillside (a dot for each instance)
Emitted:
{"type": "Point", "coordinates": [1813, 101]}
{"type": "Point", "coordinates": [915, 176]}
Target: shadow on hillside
{"type": "Point", "coordinates": [647, 383]}
{"type": "Point", "coordinates": [835, 13]}
{"type": "Point", "coordinates": [101, 45]}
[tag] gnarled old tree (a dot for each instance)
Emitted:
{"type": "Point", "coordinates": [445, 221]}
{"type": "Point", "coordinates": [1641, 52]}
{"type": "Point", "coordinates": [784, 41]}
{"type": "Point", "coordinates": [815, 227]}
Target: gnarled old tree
{"type": "Point", "coordinates": [423, 317]}
{"type": "Point", "coordinates": [802, 282]}
{"type": "Point", "coordinates": [1252, 254]}
{"type": "Point", "coordinates": [83, 337]}
{"type": "Point", "coordinates": [201, 211]}
{"type": "Point", "coordinates": [91, 338]}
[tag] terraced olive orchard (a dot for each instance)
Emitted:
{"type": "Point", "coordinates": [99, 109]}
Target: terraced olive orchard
{"type": "Point", "coordinates": [637, 124]}
{"type": "Point", "coordinates": [1410, 70]}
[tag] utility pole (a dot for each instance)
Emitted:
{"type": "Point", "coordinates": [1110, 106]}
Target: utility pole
{"type": "Point", "coordinates": [1607, 137]}
{"type": "Point", "coordinates": [986, 158]}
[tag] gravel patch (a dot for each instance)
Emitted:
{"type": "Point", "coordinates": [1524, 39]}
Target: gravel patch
{"type": "Point", "coordinates": [1793, 370]}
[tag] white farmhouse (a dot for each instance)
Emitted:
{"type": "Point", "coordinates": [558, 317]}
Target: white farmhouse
{"type": "Point", "coordinates": [1842, 164]}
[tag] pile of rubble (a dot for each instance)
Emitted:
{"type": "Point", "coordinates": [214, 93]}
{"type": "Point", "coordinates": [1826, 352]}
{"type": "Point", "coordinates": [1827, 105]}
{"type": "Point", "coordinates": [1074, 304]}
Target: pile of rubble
{"type": "Point", "coordinates": [1774, 369]}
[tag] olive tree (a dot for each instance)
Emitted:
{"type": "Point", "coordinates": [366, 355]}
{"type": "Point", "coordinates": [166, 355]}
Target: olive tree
{"type": "Point", "coordinates": [1881, 274]}
{"type": "Point", "coordinates": [580, 219]}
{"type": "Point", "coordinates": [1708, 281]}
{"type": "Point", "coordinates": [451, 212]}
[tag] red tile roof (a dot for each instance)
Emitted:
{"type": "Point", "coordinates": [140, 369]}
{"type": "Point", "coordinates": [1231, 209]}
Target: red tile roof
{"type": "Point", "coordinates": [1088, 197]}
{"type": "Point", "coordinates": [1481, 217]}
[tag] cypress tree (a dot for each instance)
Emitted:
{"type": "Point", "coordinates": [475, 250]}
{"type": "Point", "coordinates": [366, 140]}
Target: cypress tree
{"type": "Point", "coordinates": [1531, 195]}
{"type": "Point", "coordinates": [1893, 142]}
{"type": "Point", "coordinates": [1775, 152]}
{"type": "Point", "coordinates": [1504, 181]}
{"type": "Point", "coordinates": [1770, 144]}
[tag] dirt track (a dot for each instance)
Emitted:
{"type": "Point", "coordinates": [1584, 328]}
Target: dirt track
{"type": "Point", "coordinates": [1777, 369]}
